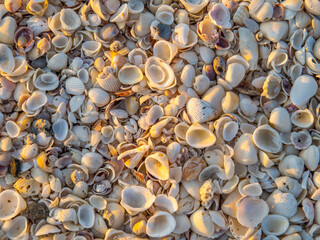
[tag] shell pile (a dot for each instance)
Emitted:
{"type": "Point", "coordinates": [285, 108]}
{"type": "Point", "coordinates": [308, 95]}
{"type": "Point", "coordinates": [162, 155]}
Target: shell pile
{"type": "Point", "coordinates": [159, 119]}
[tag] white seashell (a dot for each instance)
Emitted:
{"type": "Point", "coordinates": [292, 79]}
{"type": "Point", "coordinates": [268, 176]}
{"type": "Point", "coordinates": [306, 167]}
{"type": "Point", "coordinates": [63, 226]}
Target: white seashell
{"type": "Point", "coordinates": [70, 21]}
{"type": "Point", "coordinates": [288, 185]}
{"type": "Point", "coordinates": [312, 7]}
{"type": "Point", "coordinates": [201, 84]}
{"type": "Point", "coordinates": [245, 151]}
{"type": "Point", "coordinates": [230, 102]}
{"type": "Point", "coordinates": [91, 48]}
{"type": "Point", "coordinates": [283, 204]}
{"type": "Point", "coordinates": [99, 97]}
{"type": "Point", "coordinates": [135, 6]}
{"type": "Point", "coordinates": [166, 203]}
{"type": "Point", "coordinates": [160, 75]}
{"type": "Point", "coordinates": [241, 13]}
{"type": "Point", "coordinates": [7, 62]}
{"type": "Point", "coordinates": [183, 37]}
{"type": "Point", "coordinates": [220, 15]}
{"type": "Point", "coordinates": [74, 86]}
{"type": "Point", "coordinates": [312, 63]}
{"type": "Point", "coordinates": [65, 215]}
{"type": "Point", "coordinates": [121, 15]}
{"type": "Point", "coordinates": [200, 111]}
{"type": "Point", "coordinates": [29, 151]}
{"type": "Point", "coordinates": [8, 28]}
{"type": "Point", "coordinates": [130, 74]}
{"type": "Point", "coordinates": [12, 129]}
{"type": "Point", "coordinates": [157, 165]}
{"type": "Point", "coordinates": [76, 102]}
{"type": "Point", "coordinates": [62, 43]}
{"type": "Point", "coordinates": [280, 119]}
{"type": "Point", "coordinates": [86, 216]}
{"type": "Point", "coordinates": [260, 10]}
{"type": "Point", "coordinates": [47, 229]}
{"type": "Point", "coordinates": [297, 39]}
{"type": "Point", "coordinates": [194, 7]}
{"type": "Point", "coordinates": [36, 101]}
{"type": "Point", "coordinates": [214, 96]}
{"type": "Point", "coordinates": [251, 211]}
{"type": "Point", "coordinates": [293, 5]}
{"type": "Point", "coordinates": [46, 82]}
{"type": "Point", "coordinates": [248, 107]}
{"type": "Point", "coordinates": [274, 225]}
{"type": "Point", "coordinates": [267, 139]}
{"type": "Point", "coordinates": [235, 74]}
{"type": "Point", "coordinates": [99, 227]}
{"type": "Point", "coordinates": [302, 118]}
{"type": "Point", "coordinates": [187, 75]}
{"type": "Point", "coordinates": [108, 82]}
{"type": "Point", "coordinates": [160, 224]}
{"type": "Point", "coordinates": [304, 87]}
{"type": "Point", "coordinates": [114, 214]}
{"type": "Point", "coordinates": [274, 30]}
{"type": "Point", "coordinates": [16, 228]}
{"type": "Point", "coordinates": [136, 199]}
{"type": "Point", "coordinates": [252, 189]}
{"type": "Point", "coordinates": [316, 49]}
{"type": "Point", "coordinates": [60, 129]}
{"type": "Point", "coordinates": [311, 157]}
{"type": "Point", "coordinates": [139, 29]}
{"type": "Point", "coordinates": [11, 204]}
{"type": "Point", "coordinates": [199, 136]}
{"type": "Point", "coordinates": [165, 50]}
{"type": "Point", "coordinates": [182, 224]}
{"type": "Point", "coordinates": [202, 224]}
{"type": "Point", "coordinates": [207, 54]}
{"type": "Point", "coordinates": [57, 62]}
{"type": "Point", "coordinates": [80, 189]}
{"type": "Point", "coordinates": [277, 59]}
{"type": "Point", "coordinates": [92, 161]}
{"type": "Point", "coordinates": [301, 140]}
{"type": "Point", "coordinates": [292, 166]}
{"type": "Point", "coordinates": [230, 131]}
{"type": "Point", "coordinates": [165, 14]}
{"type": "Point", "coordinates": [248, 46]}
{"type": "Point", "coordinates": [154, 113]}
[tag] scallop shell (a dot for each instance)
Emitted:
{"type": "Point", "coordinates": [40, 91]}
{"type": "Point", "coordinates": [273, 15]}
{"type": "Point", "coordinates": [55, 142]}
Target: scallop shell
{"type": "Point", "coordinates": [14, 204]}
{"type": "Point", "coordinates": [60, 129]}
{"type": "Point", "coordinates": [136, 199]}
{"type": "Point", "coordinates": [74, 86]}
{"type": "Point", "coordinates": [200, 111]}
{"type": "Point", "coordinates": [160, 224]}
{"type": "Point", "coordinates": [130, 74]}
{"type": "Point", "coordinates": [57, 62]}
{"type": "Point", "coordinates": [302, 118]}
{"type": "Point", "coordinates": [283, 204]}
{"type": "Point", "coordinates": [157, 165]}
{"type": "Point", "coordinates": [108, 82]}
{"type": "Point", "coordinates": [198, 136]}
{"type": "Point", "coordinates": [274, 224]}
{"type": "Point", "coordinates": [267, 139]}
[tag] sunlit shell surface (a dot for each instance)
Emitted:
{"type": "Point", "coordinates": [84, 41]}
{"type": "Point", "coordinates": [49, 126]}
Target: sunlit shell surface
{"type": "Point", "coordinates": [159, 119]}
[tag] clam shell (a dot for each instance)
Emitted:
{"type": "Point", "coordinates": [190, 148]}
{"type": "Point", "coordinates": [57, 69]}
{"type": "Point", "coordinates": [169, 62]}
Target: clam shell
{"type": "Point", "coordinates": [154, 114]}
{"type": "Point", "coordinates": [108, 82]}
{"type": "Point", "coordinates": [130, 74]}
{"type": "Point", "coordinates": [157, 165]}
{"type": "Point", "coordinates": [283, 204]}
{"type": "Point", "coordinates": [46, 82]}
{"type": "Point", "coordinates": [292, 166]}
{"type": "Point", "coordinates": [198, 136]}
{"type": "Point", "coordinates": [114, 214]}
{"type": "Point", "coordinates": [16, 228]}
{"type": "Point", "coordinates": [280, 119]}
{"type": "Point", "coordinates": [60, 129]}
{"type": "Point", "coordinates": [136, 199]}
{"type": "Point", "coordinates": [91, 48]}
{"type": "Point", "coordinates": [182, 224]}
{"type": "Point", "coordinates": [166, 203]}
{"type": "Point", "coordinates": [274, 224]}
{"type": "Point", "coordinates": [69, 20]}
{"type": "Point", "coordinates": [13, 202]}
{"type": "Point", "coordinates": [301, 140]}
{"type": "Point", "coordinates": [35, 101]}
{"type": "Point", "coordinates": [235, 74]}
{"type": "Point", "coordinates": [29, 151]}
{"type": "Point", "coordinates": [267, 139]}
{"type": "Point", "coordinates": [99, 97]}
{"type": "Point", "coordinates": [274, 30]}
{"type": "Point", "coordinates": [302, 118]}
{"type": "Point", "coordinates": [92, 161]}
{"type": "Point", "coordinates": [201, 223]}
{"type": "Point", "coordinates": [305, 84]}
{"type": "Point", "coordinates": [57, 62]}
{"type": "Point", "coordinates": [7, 62]}
{"type": "Point", "coordinates": [86, 215]}
{"type": "Point", "coordinates": [160, 224]}
{"type": "Point", "coordinates": [194, 7]}
{"type": "Point", "coordinates": [288, 185]}
{"type": "Point", "coordinates": [98, 202]}
{"type": "Point", "coordinates": [200, 111]}
{"type": "Point", "coordinates": [201, 84]}
{"type": "Point", "coordinates": [165, 50]}
{"type": "Point", "coordinates": [74, 86]}
{"type": "Point", "coordinates": [12, 129]}
{"type": "Point", "coordinates": [310, 156]}
{"type": "Point", "coordinates": [245, 151]}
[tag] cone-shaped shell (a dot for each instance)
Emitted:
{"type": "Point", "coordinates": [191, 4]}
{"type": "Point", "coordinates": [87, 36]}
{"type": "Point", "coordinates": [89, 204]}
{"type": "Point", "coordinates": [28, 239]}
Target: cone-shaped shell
{"type": "Point", "coordinates": [274, 224]}
{"type": "Point", "coordinates": [251, 211]}
{"type": "Point", "coordinates": [11, 204]}
{"type": "Point", "coordinates": [200, 111]}
{"type": "Point", "coordinates": [157, 165]}
{"type": "Point", "coordinates": [304, 87]}
{"type": "Point", "coordinates": [136, 199]}
{"type": "Point", "coordinates": [267, 139]}
{"type": "Point", "coordinates": [130, 74]}
{"type": "Point", "coordinates": [245, 152]}
{"type": "Point", "coordinates": [302, 118]}
{"type": "Point", "coordinates": [160, 224]}
{"type": "Point", "coordinates": [198, 136]}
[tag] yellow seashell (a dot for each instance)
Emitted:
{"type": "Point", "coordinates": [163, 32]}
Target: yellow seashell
{"type": "Point", "coordinates": [37, 8]}
{"type": "Point", "coordinates": [42, 162]}
{"type": "Point", "coordinates": [27, 187]}
{"type": "Point", "coordinates": [24, 121]}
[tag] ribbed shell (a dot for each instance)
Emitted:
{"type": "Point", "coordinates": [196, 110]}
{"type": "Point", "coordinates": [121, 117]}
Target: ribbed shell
{"type": "Point", "coordinates": [200, 111]}
{"type": "Point", "coordinates": [108, 82]}
{"type": "Point", "coordinates": [29, 151]}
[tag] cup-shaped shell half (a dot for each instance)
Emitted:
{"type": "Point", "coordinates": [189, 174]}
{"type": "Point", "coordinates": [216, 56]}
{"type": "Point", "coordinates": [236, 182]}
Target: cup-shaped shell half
{"type": "Point", "coordinates": [274, 30]}
{"type": "Point", "coordinates": [46, 82]}
{"type": "Point", "coordinates": [16, 228]}
{"type": "Point", "coordinates": [274, 224]}
{"type": "Point", "coordinates": [194, 7]}
{"type": "Point", "coordinates": [11, 204]}
{"type": "Point", "coordinates": [136, 199]}
{"type": "Point", "coordinates": [130, 74]}
{"type": "Point", "coordinates": [200, 111]}
{"type": "Point", "coordinates": [99, 97]}
{"type": "Point", "coordinates": [12, 129]}
{"type": "Point", "coordinates": [160, 75]}
{"type": "Point", "coordinates": [86, 215]}
{"type": "Point", "coordinates": [304, 88]}
{"type": "Point", "coordinates": [220, 15]}
{"type": "Point", "coordinates": [60, 129]}
{"type": "Point", "coordinates": [183, 37]}
{"type": "Point", "coordinates": [37, 100]}
{"type": "Point", "coordinates": [108, 82]}
{"type": "Point", "coordinates": [280, 119]}
{"type": "Point", "coordinates": [157, 164]}
{"type": "Point", "coordinates": [160, 224]}
{"type": "Point", "coordinates": [302, 118]}
{"type": "Point", "coordinates": [310, 156]}
{"type": "Point", "coordinates": [7, 62]}
{"type": "Point", "coordinates": [201, 223]}
{"type": "Point", "coordinates": [284, 204]}
{"type": "Point", "coordinates": [245, 151]}
{"type": "Point", "coordinates": [267, 139]}
{"type": "Point", "coordinates": [292, 166]}
{"type": "Point", "coordinates": [69, 20]}
{"type": "Point", "coordinates": [165, 50]}
{"type": "Point", "coordinates": [91, 48]}
{"type": "Point", "coordinates": [199, 136]}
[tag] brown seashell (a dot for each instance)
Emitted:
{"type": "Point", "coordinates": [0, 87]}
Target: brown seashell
{"type": "Point", "coordinates": [192, 168]}
{"type": "Point", "coordinates": [126, 93]}
{"type": "Point", "coordinates": [219, 65]}
{"type": "Point", "coordinates": [23, 38]}
{"type": "Point", "coordinates": [222, 44]}
{"type": "Point", "coordinates": [278, 12]}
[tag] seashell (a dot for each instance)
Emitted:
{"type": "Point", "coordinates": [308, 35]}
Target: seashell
{"type": "Point", "coordinates": [7, 62]}
{"type": "Point", "coordinates": [207, 31]}
{"type": "Point", "coordinates": [86, 216]}
{"type": "Point", "coordinates": [135, 6]}
{"type": "Point", "coordinates": [99, 97]}
{"type": "Point", "coordinates": [198, 136]}
{"type": "Point", "coordinates": [165, 14]}
{"type": "Point", "coordinates": [12, 129]}
{"type": "Point", "coordinates": [16, 228]}
{"type": "Point", "coordinates": [29, 151]}
{"type": "Point", "coordinates": [274, 224]}
{"type": "Point", "coordinates": [316, 49]}
{"type": "Point", "coordinates": [201, 84]}
{"type": "Point", "coordinates": [274, 30]}
{"type": "Point", "coordinates": [14, 204]}
{"type": "Point", "coordinates": [202, 223]}
{"type": "Point", "coordinates": [277, 59]}
{"type": "Point", "coordinates": [312, 6]}
{"type": "Point", "coordinates": [245, 151]}
{"type": "Point", "coordinates": [283, 204]}
{"type": "Point", "coordinates": [130, 74]}
{"type": "Point", "coordinates": [139, 29]}
{"type": "Point", "coordinates": [46, 82]}
{"type": "Point", "coordinates": [91, 48]}
{"type": "Point", "coordinates": [160, 224]}
{"type": "Point", "coordinates": [23, 39]}
{"type": "Point", "coordinates": [261, 11]}
{"type": "Point", "coordinates": [8, 27]}
{"type": "Point", "coordinates": [12, 5]}
{"type": "Point", "coordinates": [271, 86]}
{"type": "Point", "coordinates": [248, 46]}
{"type": "Point", "coordinates": [74, 86]}
{"type": "Point", "coordinates": [114, 214]}
{"type": "Point", "coordinates": [47, 229]}
{"type": "Point", "coordinates": [69, 20]}
{"type": "Point", "coordinates": [230, 102]}
{"type": "Point", "coordinates": [288, 185]}
{"type": "Point", "coordinates": [235, 74]}
{"type": "Point", "coordinates": [301, 140]}
{"type": "Point", "coordinates": [166, 203]}
{"type": "Point", "coordinates": [280, 119]}
{"type": "Point", "coordinates": [292, 166]}
{"type": "Point", "coordinates": [193, 7]}
{"type": "Point", "coordinates": [60, 129]}
{"type": "Point", "coordinates": [302, 118]}
{"type": "Point", "coordinates": [165, 50]}
{"type": "Point", "coordinates": [310, 156]}
{"type": "Point", "coordinates": [136, 199]}
{"type": "Point", "coordinates": [293, 5]}
{"type": "Point", "coordinates": [37, 8]}
{"type": "Point", "coordinates": [57, 62]}
{"type": "Point", "coordinates": [182, 224]}
{"type": "Point", "coordinates": [309, 86]}
{"type": "Point", "coordinates": [230, 130]}
{"type": "Point", "coordinates": [200, 111]}
{"type": "Point", "coordinates": [251, 211]}
{"type": "Point", "coordinates": [92, 161]}
{"type": "Point", "coordinates": [154, 114]}
{"type": "Point", "coordinates": [183, 37]}
{"type": "Point", "coordinates": [297, 39]}
{"type": "Point", "coordinates": [267, 139]}
{"type": "Point", "coordinates": [121, 14]}
{"type": "Point", "coordinates": [108, 82]}
{"type": "Point", "coordinates": [62, 43]}
{"type": "Point", "coordinates": [241, 13]}
{"type": "Point", "coordinates": [220, 16]}
{"type": "Point", "coordinates": [157, 165]}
